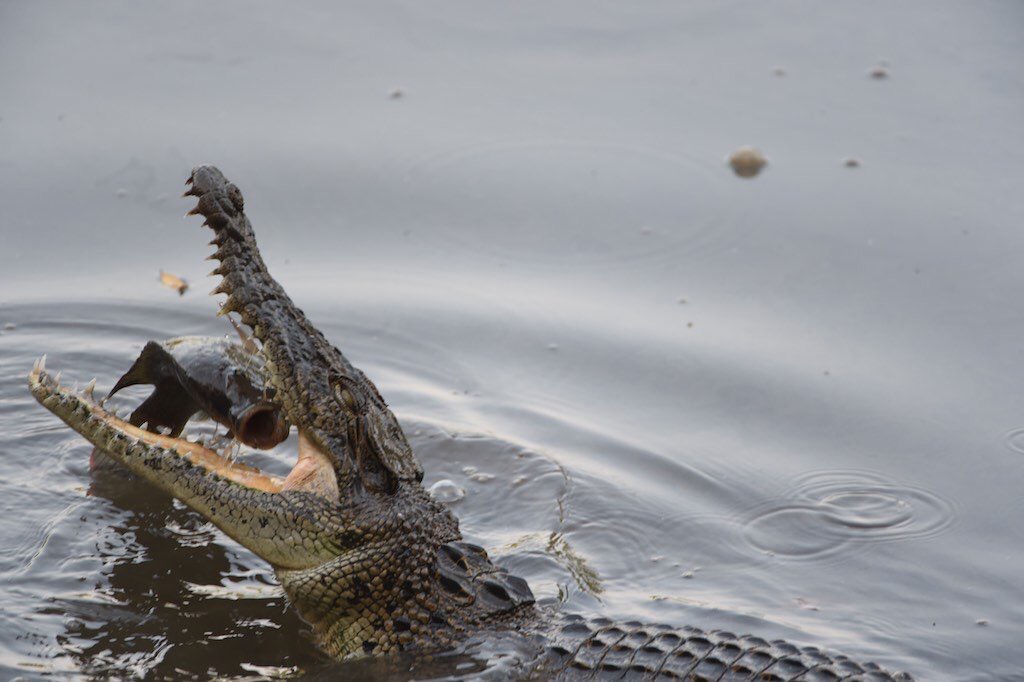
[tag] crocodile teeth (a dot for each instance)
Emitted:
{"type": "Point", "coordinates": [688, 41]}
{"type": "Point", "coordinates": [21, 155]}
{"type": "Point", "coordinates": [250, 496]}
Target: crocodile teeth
{"type": "Point", "coordinates": [231, 305]}
{"type": "Point", "coordinates": [194, 211]}
{"type": "Point", "coordinates": [90, 390]}
{"type": "Point", "coordinates": [41, 364]}
{"type": "Point", "coordinates": [56, 379]}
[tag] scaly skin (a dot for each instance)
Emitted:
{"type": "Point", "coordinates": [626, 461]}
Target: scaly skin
{"type": "Point", "coordinates": [365, 555]}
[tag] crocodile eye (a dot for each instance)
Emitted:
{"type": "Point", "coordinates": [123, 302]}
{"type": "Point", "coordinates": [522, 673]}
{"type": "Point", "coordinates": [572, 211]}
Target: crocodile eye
{"type": "Point", "coordinates": [346, 398]}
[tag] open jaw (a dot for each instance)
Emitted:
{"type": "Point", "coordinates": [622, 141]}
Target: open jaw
{"type": "Point", "coordinates": [107, 431]}
{"type": "Point", "coordinates": [270, 515]}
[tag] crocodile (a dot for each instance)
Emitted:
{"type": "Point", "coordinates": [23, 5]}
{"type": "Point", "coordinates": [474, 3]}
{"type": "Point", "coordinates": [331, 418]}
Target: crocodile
{"type": "Point", "coordinates": [373, 563]}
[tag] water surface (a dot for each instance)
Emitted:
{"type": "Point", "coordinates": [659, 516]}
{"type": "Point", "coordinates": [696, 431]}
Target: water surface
{"type": "Point", "coordinates": [787, 405]}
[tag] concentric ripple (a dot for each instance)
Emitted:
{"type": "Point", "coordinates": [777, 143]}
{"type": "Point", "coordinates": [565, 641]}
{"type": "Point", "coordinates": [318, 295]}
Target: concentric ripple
{"type": "Point", "coordinates": [828, 511]}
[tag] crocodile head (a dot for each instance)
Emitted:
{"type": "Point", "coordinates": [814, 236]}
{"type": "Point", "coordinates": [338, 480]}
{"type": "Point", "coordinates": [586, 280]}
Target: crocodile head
{"type": "Point", "coordinates": [367, 557]}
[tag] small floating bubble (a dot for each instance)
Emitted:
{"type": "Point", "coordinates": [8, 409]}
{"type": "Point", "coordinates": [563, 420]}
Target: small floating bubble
{"type": "Point", "coordinates": [552, 346]}
{"type": "Point", "coordinates": [852, 163]}
{"type": "Point", "coordinates": [982, 622]}
{"type": "Point", "coordinates": [121, 193]}
{"type": "Point", "coordinates": [10, 326]}
{"type": "Point", "coordinates": [482, 477]}
{"type": "Point", "coordinates": [446, 491]}
{"type": "Point", "coordinates": [879, 72]}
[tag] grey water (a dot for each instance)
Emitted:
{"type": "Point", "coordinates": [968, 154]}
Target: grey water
{"type": "Point", "coordinates": [791, 405]}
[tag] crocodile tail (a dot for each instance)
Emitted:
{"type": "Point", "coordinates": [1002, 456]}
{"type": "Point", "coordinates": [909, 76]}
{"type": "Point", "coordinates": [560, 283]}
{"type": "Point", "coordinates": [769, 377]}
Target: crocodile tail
{"type": "Point", "coordinates": [583, 648]}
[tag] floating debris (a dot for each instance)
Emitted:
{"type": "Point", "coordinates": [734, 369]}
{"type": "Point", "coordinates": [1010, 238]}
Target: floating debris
{"type": "Point", "coordinates": [10, 326]}
{"type": "Point", "coordinates": [879, 72]}
{"type": "Point", "coordinates": [482, 477]}
{"type": "Point", "coordinates": [121, 193]}
{"type": "Point", "coordinates": [552, 346]}
{"type": "Point", "coordinates": [397, 93]}
{"type": "Point", "coordinates": [805, 604]}
{"type": "Point", "coordinates": [446, 491]}
{"type": "Point", "coordinates": [852, 163]}
{"type": "Point", "coordinates": [173, 282]}
{"type": "Point", "coordinates": [982, 622]}
{"type": "Point", "coordinates": [779, 71]}
{"type": "Point", "coordinates": [747, 162]}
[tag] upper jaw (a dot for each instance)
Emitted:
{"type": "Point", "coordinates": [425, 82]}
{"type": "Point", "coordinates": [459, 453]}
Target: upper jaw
{"type": "Point", "coordinates": [323, 394]}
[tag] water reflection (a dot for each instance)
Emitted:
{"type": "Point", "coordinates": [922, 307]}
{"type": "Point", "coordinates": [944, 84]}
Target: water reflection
{"type": "Point", "coordinates": [173, 598]}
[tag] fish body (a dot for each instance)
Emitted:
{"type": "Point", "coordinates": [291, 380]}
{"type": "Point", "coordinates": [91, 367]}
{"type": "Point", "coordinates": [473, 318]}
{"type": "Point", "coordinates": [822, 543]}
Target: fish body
{"type": "Point", "coordinates": [223, 380]}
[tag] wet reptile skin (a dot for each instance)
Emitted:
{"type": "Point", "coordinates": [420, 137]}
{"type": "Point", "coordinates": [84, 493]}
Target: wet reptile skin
{"type": "Point", "coordinates": [365, 555]}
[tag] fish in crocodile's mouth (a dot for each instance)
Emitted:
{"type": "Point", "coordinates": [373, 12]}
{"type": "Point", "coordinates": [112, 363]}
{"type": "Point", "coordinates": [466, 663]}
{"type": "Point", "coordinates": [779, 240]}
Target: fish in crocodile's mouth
{"type": "Point", "coordinates": [80, 410]}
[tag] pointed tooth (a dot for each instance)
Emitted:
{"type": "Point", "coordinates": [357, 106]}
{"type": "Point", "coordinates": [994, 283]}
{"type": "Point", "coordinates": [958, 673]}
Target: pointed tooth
{"type": "Point", "coordinates": [42, 363]}
{"type": "Point", "coordinates": [188, 181]}
{"type": "Point", "coordinates": [194, 211]}
{"type": "Point", "coordinates": [56, 379]}
{"type": "Point", "coordinates": [222, 288]}
{"type": "Point", "coordinates": [90, 389]}
{"type": "Point", "coordinates": [231, 305]}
